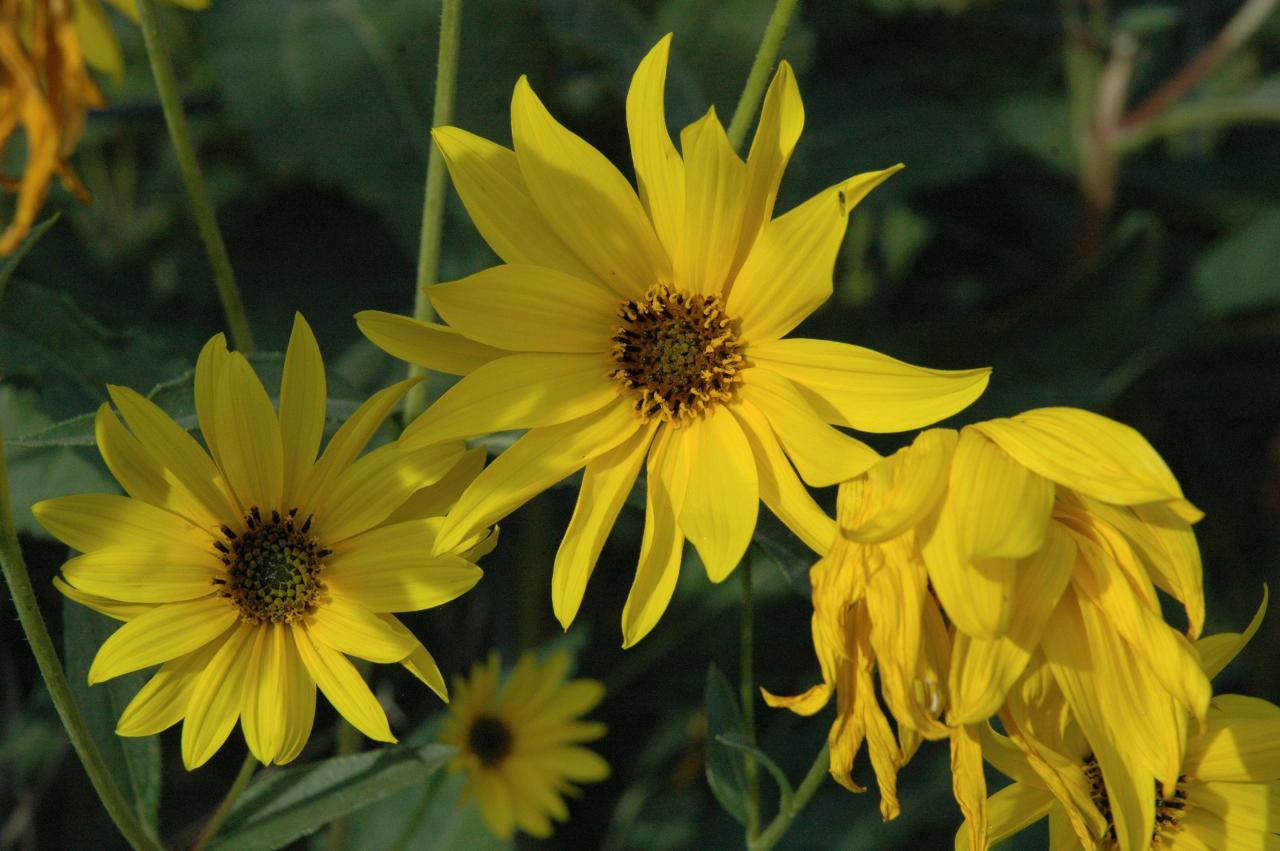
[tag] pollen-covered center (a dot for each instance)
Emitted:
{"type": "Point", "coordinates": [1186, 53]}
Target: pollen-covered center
{"type": "Point", "coordinates": [1169, 811]}
{"type": "Point", "coordinates": [490, 739]}
{"type": "Point", "coordinates": [678, 352]}
{"type": "Point", "coordinates": [273, 567]}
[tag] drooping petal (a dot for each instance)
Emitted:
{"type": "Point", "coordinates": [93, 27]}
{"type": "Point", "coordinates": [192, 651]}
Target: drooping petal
{"type": "Point", "coordinates": [421, 664]}
{"type": "Point", "coordinates": [585, 199]}
{"type": "Point", "coordinates": [92, 521]}
{"type": "Point", "coordinates": [518, 391]}
{"type": "Point", "coordinates": [163, 701]}
{"type": "Point", "coordinates": [787, 273]}
{"type": "Point", "coordinates": [368, 491]}
{"type": "Point", "coordinates": [976, 593]}
{"type": "Point", "coordinates": [303, 396]}
{"type": "Point", "coordinates": [606, 483]}
{"type": "Point", "coordinates": [216, 697]}
{"type": "Point", "coordinates": [141, 574]}
{"type": "Point", "coordinates": [488, 180]}
{"type": "Point", "coordinates": [529, 309]}
{"type": "Point", "coordinates": [714, 180]}
{"type": "Point", "coordinates": [343, 686]}
{"type": "Point", "coordinates": [902, 490]}
{"type": "Point", "coordinates": [862, 389]}
{"type": "Point", "coordinates": [661, 548]}
{"type": "Point", "coordinates": [1240, 742]}
{"type": "Point", "coordinates": [718, 512]}
{"type": "Point", "coordinates": [166, 632]}
{"type": "Point", "coordinates": [98, 39]}
{"type": "Point", "coordinates": [390, 569]}
{"type": "Point", "coordinates": [533, 463]}
{"type": "Point", "coordinates": [968, 783]}
{"type": "Point", "coordinates": [659, 168]}
{"type": "Point", "coordinates": [435, 347]}
{"type": "Point", "coordinates": [1217, 651]}
{"type": "Point", "coordinates": [1012, 809]}
{"type": "Point", "coordinates": [1003, 507]}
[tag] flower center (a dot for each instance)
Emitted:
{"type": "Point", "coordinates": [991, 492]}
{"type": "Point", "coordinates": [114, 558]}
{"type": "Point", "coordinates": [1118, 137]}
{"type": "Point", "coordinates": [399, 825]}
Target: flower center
{"type": "Point", "coordinates": [489, 738]}
{"type": "Point", "coordinates": [677, 352]}
{"type": "Point", "coordinates": [273, 567]}
{"type": "Point", "coordinates": [1168, 810]}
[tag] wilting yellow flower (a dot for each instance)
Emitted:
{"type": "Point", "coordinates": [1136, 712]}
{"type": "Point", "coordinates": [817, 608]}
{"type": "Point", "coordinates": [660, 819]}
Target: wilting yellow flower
{"type": "Point", "coordinates": [1226, 795]}
{"type": "Point", "coordinates": [251, 575]}
{"type": "Point", "coordinates": [519, 741]}
{"type": "Point", "coordinates": [628, 330]}
{"type": "Point", "coordinates": [46, 89]}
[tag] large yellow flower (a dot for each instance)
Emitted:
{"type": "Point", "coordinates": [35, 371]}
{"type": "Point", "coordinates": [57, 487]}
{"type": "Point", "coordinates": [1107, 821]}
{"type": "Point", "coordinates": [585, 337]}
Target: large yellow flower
{"type": "Point", "coordinates": [628, 330]}
{"type": "Point", "coordinates": [520, 741]}
{"type": "Point", "coordinates": [251, 575]}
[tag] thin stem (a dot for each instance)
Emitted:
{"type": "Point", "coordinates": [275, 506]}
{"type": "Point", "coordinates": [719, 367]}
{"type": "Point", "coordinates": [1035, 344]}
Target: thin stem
{"type": "Point", "coordinates": [746, 673]}
{"type": "Point", "coordinates": [348, 743]}
{"type": "Point", "coordinates": [55, 678]}
{"type": "Point", "coordinates": [758, 76]}
{"type": "Point", "coordinates": [219, 817]}
{"type": "Point", "coordinates": [180, 134]}
{"type": "Point", "coordinates": [433, 194]}
{"type": "Point", "coordinates": [782, 821]}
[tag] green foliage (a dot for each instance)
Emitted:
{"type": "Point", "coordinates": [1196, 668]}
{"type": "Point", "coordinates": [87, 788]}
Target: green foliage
{"type": "Point", "coordinates": [1240, 271]}
{"type": "Point", "coordinates": [725, 771]}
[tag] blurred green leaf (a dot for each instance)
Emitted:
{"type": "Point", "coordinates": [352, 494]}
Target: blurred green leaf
{"type": "Point", "coordinates": [443, 822]}
{"type": "Point", "coordinates": [1239, 272]}
{"type": "Point", "coordinates": [738, 742]}
{"type": "Point", "coordinates": [134, 762]}
{"type": "Point", "coordinates": [11, 262]}
{"type": "Point", "coordinates": [1258, 104]}
{"type": "Point", "coordinates": [724, 763]}
{"type": "Point", "coordinates": [776, 545]}
{"type": "Point", "coordinates": [1147, 19]}
{"type": "Point", "coordinates": [285, 805]}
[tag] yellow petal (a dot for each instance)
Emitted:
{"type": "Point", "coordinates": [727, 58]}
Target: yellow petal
{"type": "Point", "coordinates": [215, 699]}
{"type": "Point", "coordinates": [426, 344]}
{"type": "Point", "coordinates": [787, 274]}
{"type": "Point", "coordinates": [492, 189]}
{"type": "Point", "coordinates": [299, 702]}
{"type": "Point", "coordinates": [163, 701]}
{"type": "Point", "coordinates": [902, 490]}
{"type": "Point", "coordinates": [714, 179]}
{"type": "Point", "coordinates": [111, 608]}
{"type": "Point", "coordinates": [421, 664]}
{"type": "Point", "coordinates": [661, 548]}
{"type": "Point", "coordinates": [585, 199]}
{"type": "Point", "coordinates": [263, 714]}
{"type": "Point", "coordinates": [1003, 507]}
{"type": "Point", "coordinates": [343, 686]}
{"type": "Point", "coordinates": [91, 521]}
{"type": "Point", "coordinates": [161, 634]}
{"type": "Point", "coordinates": [530, 309]}
{"type": "Point", "coordinates": [532, 464]}
{"type": "Point", "coordinates": [252, 456]}
{"type": "Point", "coordinates": [518, 391]}
{"type": "Point", "coordinates": [718, 512]}
{"type": "Point", "coordinates": [368, 491]}
{"type": "Point", "coordinates": [210, 367]}
{"type": "Point", "coordinates": [141, 574]}
{"type": "Point", "coordinates": [606, 483]}
{"type": "Point", "coordinates": [976, 593]}
{"type": "Point", "coordinates": [389, 569]}
{"type": "Point", "coordinates": [98, 39]}
{"type": "Point", "coordinates": [302, 406]}
{"type": "Point", "coordinates": [1240, 742]}
{"type": "Point", "coordinates": [1012, 809]}
{"type": "Point", "coordinates": [348, 627]}
{"type": "Point", "coordinates": [862, 389]}
{"type": "Point", "coordinates": [823, 455]}
{"type": "Point", "coordinates": [1089, 453]}
{"type": "Point", "coordinates": [436, 500]}
{"type": "Point", "coordinates": [968, 783]}
{"type": "Point", "coordinates": [780, 488]}
{"type": "Point", "coordinates": [659, 169]}
{"type": "Point", "coordinates": [1217, 651]}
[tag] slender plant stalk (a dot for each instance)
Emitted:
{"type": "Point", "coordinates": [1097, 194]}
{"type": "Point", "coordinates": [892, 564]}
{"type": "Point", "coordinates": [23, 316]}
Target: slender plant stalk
{"type": "Point", "coordinates": [433, 195]}
{"type": "Point", "coordinates": [180, 134]}
{"type": "Point", "coordinates": [758, 77]}
{"type": "Point", "coordinates": [792, 808]}
{"type": "Point", "coordinates": [219, 817]}
{"type": "Point", "coordinates": [746, 673]}
{"type": "Point", "coordinates": [55, 678]}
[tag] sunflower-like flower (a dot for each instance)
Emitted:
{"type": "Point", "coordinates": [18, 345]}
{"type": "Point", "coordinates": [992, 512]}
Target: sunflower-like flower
{"type": "Point", "coordinates": [251, 575]}
{"type": "Point", "coordinates": [1226, 794]}
{"type": "Point", "coordinates": [520, 741]}
{"type": "Point", "coordinates": [46, 47]}
{"type": "Point", "coordinates": [632, 331]}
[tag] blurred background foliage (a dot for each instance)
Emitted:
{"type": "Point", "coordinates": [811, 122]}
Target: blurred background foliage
{"type": "Point", "coordinates": [1129, 269]}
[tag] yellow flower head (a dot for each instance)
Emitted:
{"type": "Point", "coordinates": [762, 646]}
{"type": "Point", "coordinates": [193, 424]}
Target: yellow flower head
{"type": "Point", "coordinates": [634, 330]}
{"type": "Point", "coordinates": [519, 741]}
{"type": "Point", "coordinates": [250, 572]}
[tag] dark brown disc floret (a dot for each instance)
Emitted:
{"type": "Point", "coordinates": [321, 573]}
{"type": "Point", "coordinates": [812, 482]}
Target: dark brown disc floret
{"type": "Point", "coordinates": [273, 567]}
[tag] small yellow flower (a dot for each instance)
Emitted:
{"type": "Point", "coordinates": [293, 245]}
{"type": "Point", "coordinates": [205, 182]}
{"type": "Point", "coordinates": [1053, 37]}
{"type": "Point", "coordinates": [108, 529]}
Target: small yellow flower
{"type": "Point", "coordinates": [631, 330]}
{"type": "Point", "coordinates": [519, 741]}
{"type": "Point", "coordinates": [251, 575]}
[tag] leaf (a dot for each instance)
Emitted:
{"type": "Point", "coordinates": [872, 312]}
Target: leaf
{"type": "Point", "coordinates": [11, 262]}
{"type": "Point", "coordinates": [739, 742]}
{"type": "Point", "coordinates": [285, 805]}
{"type": "Point", "coordinates": [1239, 272]}
{"type": "Point", "coordinates": [443, 822]}
{"type": "Point", "coordinates": [777, 546]}
{"type": "Point", "coordinates": [724, 764]}
{"type": "Point", "coordinates": [133, 762]}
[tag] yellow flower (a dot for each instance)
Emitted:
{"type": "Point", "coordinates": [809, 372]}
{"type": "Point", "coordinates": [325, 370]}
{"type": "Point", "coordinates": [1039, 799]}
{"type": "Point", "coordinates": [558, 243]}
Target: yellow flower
{"type": "Point", "coordinates": [1226, 795]}
{"type": "Point", "coordinates": [251, 575]}
{"type": "Point", "coordinates": [628, 330]}
{"type": "Point", "coordinates": [519, 741]}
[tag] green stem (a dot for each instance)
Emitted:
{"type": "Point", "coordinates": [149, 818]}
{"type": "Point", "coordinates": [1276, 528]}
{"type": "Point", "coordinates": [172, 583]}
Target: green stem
{"type": "Point", "coordinates": [215, 249]}
{"type": "Point", "coordinates": [758, 77]}
{"type": "Point", "coordinates": [433, 195]}
{"type": "Point", "coordinates": [782, 822]}
{"type": "Point", "coordinates": [748, 693]}
{"type": "Point", "coordinates": [219, 817]}
{"type": "Point", "coordinates": [55, 678]}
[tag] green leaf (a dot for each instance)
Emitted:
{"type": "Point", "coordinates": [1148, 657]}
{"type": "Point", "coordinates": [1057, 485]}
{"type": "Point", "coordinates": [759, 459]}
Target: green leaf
{"type": "Point", "coordinates": [282, 806]}
{"type": "Point", "coordinates": [11, 262]}
{"type": "Point", "coordinates": [1239, 272]}
{"type": "Point", "coordinates": [739, 742]}
{"type": "Point", "coordinates": [724, 764]}
{"type": "Point", "coordinates": [442, 822]}
{"type": "Point", "coordinates": [133, 762]}
{"type": "Point", "coordinates": [775, 545]}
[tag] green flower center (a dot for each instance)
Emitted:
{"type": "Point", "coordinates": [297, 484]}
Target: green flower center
{"type": "Point", "coordinates": [677, 352]}
{"type": "Point", "coordinates": [273, 567]}
{"type": "Point", "coordinates": [1168, 810]}
{"type": "Point", "coordinates": [489, 738]}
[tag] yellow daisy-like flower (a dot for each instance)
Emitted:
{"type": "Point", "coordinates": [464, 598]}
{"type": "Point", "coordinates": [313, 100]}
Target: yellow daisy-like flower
{"type": "Point", "coordinates": [1227, 792]}
{"type": "Point", "coordinates": [641, 330]}
{"type": "Point", "coordinates": [251, 575]}
{"type": "Point", "coordinates": [519, 741]}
